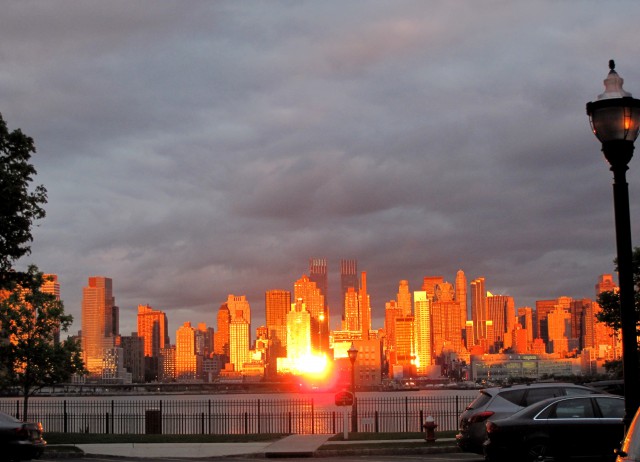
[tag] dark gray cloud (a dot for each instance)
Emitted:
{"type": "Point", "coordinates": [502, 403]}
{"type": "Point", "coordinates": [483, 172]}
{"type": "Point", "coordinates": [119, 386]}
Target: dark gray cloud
{"type": "Point", "coordinates": [196, 149]}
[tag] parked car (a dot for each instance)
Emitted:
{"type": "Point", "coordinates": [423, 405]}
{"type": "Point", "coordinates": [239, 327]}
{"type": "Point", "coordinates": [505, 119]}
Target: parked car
{"type": "Point", "coordinates": [570, 427]}
{"type": "Point", "coordinates": [499, 402]}
{"type": "Point", "coordinates": [630, 449]}
{"type": "Point", "coordinates": [20, 440]}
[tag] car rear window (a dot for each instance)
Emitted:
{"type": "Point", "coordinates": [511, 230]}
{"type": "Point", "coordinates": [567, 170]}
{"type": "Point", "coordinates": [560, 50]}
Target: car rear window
{"type": "Point", "coordinates": [482, 399]}
{"type": "Point", "coordinates": [513, 396]}
{"type": "Point", "coordinates": [535, 395]}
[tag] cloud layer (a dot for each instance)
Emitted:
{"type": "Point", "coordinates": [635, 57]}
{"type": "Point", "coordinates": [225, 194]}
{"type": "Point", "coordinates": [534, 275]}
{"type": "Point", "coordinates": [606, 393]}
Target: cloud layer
{"type": "Point", "coordinates": [197, 149]}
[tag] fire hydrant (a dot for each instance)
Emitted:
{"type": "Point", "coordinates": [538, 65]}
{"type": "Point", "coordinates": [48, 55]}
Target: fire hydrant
{"type": "Point", "coordinates": [429, 429]}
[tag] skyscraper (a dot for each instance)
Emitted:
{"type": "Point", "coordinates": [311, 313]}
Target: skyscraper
{"type": "Point", "coordinates": [352, 321]}
{"type": "Point", "coordinates": [153, 329]}
{"type": "Point", "coordinates": [221, 339]}
{"type": "Point", "coordinates": [186, 358]}
{"type": "Point", "coordinates": [404, 298]}
{"type": "Point", "coordinates": [501, 310]}
{"type": "Point", "coordinates": [239, 343]}
{"type": "Point", "coordinates": [299, 333]}
{"type": "Point", "coordinates": [306, 290]}
{"type": "Point", "coordinates": [461, 297]}
{"type": "Point", "coordinates": [422, 327]}
{"type": "Point", "coordinates": [97, 322]}
{"type": "Point", "coordinates": [365, 307]}
{"type": "Point", "coordinates": [348, 278]}
{"type": "Point", "coordinates": [277, 304]}
{"type": "Point", "coordinates": [318, 274]}
{"type": "Point", "coordinates": [479, 309]}
{"type": "Point", "coordinates": [239, 307]}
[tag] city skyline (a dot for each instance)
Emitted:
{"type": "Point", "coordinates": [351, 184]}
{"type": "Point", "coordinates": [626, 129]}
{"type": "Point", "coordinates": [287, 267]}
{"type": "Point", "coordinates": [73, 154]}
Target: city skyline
{"type": "Point", "coordinates": [128, 316]}
{"type": "Point", "coordinates": [195, 150]}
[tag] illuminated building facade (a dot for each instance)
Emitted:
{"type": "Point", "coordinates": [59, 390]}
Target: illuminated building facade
{"type": "Point", "coordinates": [364, 303]}
{"type": "Point", "coordinates": [221, 339]}
{"type": "Point", "coordinates": [277, 305]}
{"type": "Point", "coordinates": [186, 357]}
{"type": "Point", "coordinates": [97, 323]}
{"type": "Point", "coordinates": [307, 291]}
{"type": "Point", "coordinates": [478, 309]}
{"type": "Point", "coordinates": [422, 328]}
{"type": "Point", "coordinates": [239, 343]}
{"type": "Point", "coordinates": [153, 329]}
{"type": "Point", "coordinates": [403, 297]}
{"type": "Point", "coordinates": [348, 278]}
{"type": "Point", "coordinates": [501, 310]}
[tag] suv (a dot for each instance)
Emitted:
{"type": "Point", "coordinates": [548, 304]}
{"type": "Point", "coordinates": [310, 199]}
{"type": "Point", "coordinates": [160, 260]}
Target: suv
{"type": "Point", "coordinates": [500, 402]}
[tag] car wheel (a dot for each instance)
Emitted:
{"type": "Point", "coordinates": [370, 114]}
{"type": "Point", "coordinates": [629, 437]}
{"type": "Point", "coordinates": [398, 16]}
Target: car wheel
{"type": "Point", "coordinates": [538, 451]}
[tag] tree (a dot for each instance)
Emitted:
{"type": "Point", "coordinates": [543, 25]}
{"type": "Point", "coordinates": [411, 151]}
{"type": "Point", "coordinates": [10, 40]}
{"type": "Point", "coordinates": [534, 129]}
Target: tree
{"type": "Point", "coordinates": [19, 206]}
{"type": "Point", "coordinates": [609, 301]}
{"type": "Point", "coordinates": [31, 357]}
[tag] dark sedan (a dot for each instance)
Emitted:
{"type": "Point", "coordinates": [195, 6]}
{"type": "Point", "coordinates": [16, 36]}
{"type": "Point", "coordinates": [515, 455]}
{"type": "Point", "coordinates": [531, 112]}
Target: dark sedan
{"type": "Point", "coordinates": [20, 440]}
{"type": "Point", "coordinates": [570, 427]}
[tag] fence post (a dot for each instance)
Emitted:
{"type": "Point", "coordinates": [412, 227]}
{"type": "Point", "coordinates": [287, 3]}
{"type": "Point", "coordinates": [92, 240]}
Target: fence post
{"type": "Point", "coordinates": [64, 415]}
{"type": "Point", "coordinates": [258, 416]}
{"type": "Point", "coordinates": [375, 416]}
{"type": "Point", "coordinates": [313, 418]}
{"type": "Point", "coordinates": [113, 412]}
{"type": "Point", "coordinates": [246, 423]}
{"type": "Point", "coordinates": [107, 423]}
{"type": "Point", "coordinates": [202, 422]}
{"type": "Point", "coordinates": [421, 418]}
{"type": "Point", "coordinates": [18, 409]}
{"type": "Point", "coordinates": [289, 422]}
{"type": "Point", "coordinates": [210, 417]}
{"type": "Point", "coordinates": [406, 414]}
{"type": "Point", "coordinates": [333, 421]}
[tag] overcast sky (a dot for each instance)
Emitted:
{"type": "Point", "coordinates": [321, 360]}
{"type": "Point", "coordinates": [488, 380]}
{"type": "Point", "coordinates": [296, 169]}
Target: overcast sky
{"type": "Point", "coordinates": [197, 149]}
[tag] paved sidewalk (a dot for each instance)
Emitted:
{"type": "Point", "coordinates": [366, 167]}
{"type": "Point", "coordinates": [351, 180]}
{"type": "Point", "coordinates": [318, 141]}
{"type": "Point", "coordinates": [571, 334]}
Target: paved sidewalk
{"type": "Point", "coordinates": [290, 446]}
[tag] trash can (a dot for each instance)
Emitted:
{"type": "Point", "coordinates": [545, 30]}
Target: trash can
{"type": "Point", "coordinates": [153, 422]}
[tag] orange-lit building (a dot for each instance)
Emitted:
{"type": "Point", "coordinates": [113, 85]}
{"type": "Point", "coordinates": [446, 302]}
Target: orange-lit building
{"type": "Point", "coordinates": [306, 290]}
{"type": "Point", "coordinates": [97, 322]}
{"type": "Point", "coordinates": [422, 332]}
{"type": "Point", "coordinates": [277, 305]}
{"type": "Point", "coordinates": [152, 328]}
{"type": "Point", "coordinates": [187, 363]}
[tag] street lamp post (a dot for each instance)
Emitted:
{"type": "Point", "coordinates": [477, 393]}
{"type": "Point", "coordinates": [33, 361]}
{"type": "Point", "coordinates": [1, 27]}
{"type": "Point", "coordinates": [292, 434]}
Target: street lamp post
{"type": "Point", "coordinates": [353, 354]}
{"type": "Point", "coordinates": [615, 120]}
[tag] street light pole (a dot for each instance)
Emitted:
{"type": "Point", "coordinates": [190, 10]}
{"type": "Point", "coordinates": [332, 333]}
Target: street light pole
{"type": "Point", "coordinates": [615, 119]}
{"type": "Point", "coordinates": [353, 354]}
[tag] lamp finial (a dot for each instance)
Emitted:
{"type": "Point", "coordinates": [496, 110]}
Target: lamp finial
{"type": "Point", "coordinates": [612, 64]}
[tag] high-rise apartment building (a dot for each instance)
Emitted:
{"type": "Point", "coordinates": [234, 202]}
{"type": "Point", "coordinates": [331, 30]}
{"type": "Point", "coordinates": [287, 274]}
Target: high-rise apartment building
{"type": "Point", "coordinates": [221, 339]}
{"type": "Point", "coordinates": [97, 322]}
{"type": "Point", "coordinates": [559, 330]}
{"type": "Point", "coordinates": [479, 309]}
{"type": "Point", "coordinates": [446, 321]}
{"type": "Point", "coordinates": [52, 286]}
{"type": "Point", "coordinates": [352, 321]}
{"type": "Point", "coordinates": [422, 328]}
{"type": "Point", "coordinates": [239, 343]}
{"type": "Point", "coordinates": [525, 318]}
{"type": "Point", "coordinates": [501, 310]}
{"type": "Point", "coordinates": [348, 278]}
{"type": "Point", "coordinates": [153, 329]}
{"type": "Point", "coordinates": [186, 367]}
{"type": "Point", "coordinates": [277, 305]}
{"type": "Point", "coordinates": [133, 356]}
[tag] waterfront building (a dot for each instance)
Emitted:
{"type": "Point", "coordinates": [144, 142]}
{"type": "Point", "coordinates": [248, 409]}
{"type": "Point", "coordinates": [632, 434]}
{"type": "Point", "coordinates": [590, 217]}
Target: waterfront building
{"type": "Point", "coordinates": [98, 334]}
{"type": "Point", "coordinates": [133, 355]}
{"type": "Point", "coordinates": [351, 321]}
{"type": "Point", "coordinates": [368, 365]}
{"type": "Point", "coordinates": [221, 339]}
{"type": "Point", "coordinates": [113, 370]}
{"type": "Point", "coordinates": [559, 329]}
{"type": "Point", "coordinates": [167, 364]}
{"type": "Point", "coordinates": [525, 318]}
{"type": "Point", "coordinates": [239, 307]}
{"type": "Point", "coordinates": [446, 321]}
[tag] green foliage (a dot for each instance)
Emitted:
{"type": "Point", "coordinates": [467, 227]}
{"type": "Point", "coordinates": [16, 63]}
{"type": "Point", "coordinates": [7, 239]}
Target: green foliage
{"type": "Point", "coordinates": [610, 301]}
{"type": "Point", "coordinates": [19, 206]}
{"type": "Point", "coordinates": [31, 356]}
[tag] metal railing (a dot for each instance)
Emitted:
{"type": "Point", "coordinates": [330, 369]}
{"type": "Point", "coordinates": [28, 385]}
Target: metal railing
{"type": "Point", "coordinates": [242, 416]}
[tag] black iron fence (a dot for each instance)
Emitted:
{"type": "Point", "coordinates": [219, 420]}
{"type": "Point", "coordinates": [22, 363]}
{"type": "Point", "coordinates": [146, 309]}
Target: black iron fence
{"type": "Point", "coordinates": [241, 416]}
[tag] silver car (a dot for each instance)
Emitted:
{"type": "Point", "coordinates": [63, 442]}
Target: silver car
{"type": "Point", "coordinates": [500, 402]}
